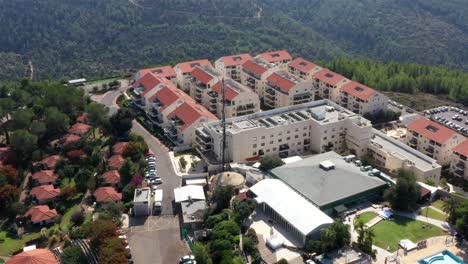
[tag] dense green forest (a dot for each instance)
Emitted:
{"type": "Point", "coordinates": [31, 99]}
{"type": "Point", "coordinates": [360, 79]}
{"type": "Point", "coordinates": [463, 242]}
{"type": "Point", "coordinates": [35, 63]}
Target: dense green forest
{"type": "Point", "coordinates": [405, 78]}
{"type": "Point", "coordinates": [92, 39]}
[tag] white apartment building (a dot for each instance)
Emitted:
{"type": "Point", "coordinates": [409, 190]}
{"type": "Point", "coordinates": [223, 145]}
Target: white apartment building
{"type": "Point", "coordinates": [459, 164]}
{"type": "Point", "coordinates": [362, 99]}
{"type": "Point", "coordinates": [163, 71]}
{"type": "Point", "coordinates": [141, 201]}
{"type": "Point", "coordinates": [145, 87]}
{"type": "Point", "coordinates": [433, 139]}
{"type": "Point", "coordinates": [230, 66]}
{"type": "Point", "coordinates": [203, 79]}
{"type": "Point", "coordinates": [239, 99]}
{"type": "Point", "coordinates": [278, 57]}
{"type": "Point", "coordinates": [183, 121]}
{"type": "Point", "coordinates": [303, 68]}
{"type": "Point", "coordinates": [314, 127]}
{"type": "Point", "coordinates": [392, 155]}
{"type": "Point", "coordinates": [328, 84]}
{"type": "Point", "coordinates": [183, 72]}
{"type": "Point", "coordinates": [254, 73]}
{"type": "Point", "coordinates": [164, 102]}
{"type": "Point", "coordinates": [283, 89]}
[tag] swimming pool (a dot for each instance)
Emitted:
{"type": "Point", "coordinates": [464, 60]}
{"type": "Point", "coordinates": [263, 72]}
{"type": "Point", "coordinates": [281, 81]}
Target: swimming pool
{"type": "Point", "coordinates": [444, 257]}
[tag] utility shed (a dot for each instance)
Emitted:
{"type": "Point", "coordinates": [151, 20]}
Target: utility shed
{"type": "Point", "coordinates": [286, 207]}
{"type": "Point", "coordinates": [330, 182]}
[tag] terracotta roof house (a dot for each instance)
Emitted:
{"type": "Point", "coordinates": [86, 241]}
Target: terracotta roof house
{"type": "Point", "coordinates": [277, 57]}
{"type": "Point", "coordinates": [362, 99]}
{"type": "Point", "coordinates": [115, 161]}
{"type": "Point", "coordinates": [41, 214]}
{"type": "Point", "coordinates": [69, 138]}
{"type": "Point", "coordinates": [183, 71]}
{"type": "Point", "coordinates": [107, 194]}
{"type": "Point", "coordinates": [119, 148]}
{"type": "Point", "coordinates": [162, 71]}
{"type": "Point", "coordinates": [35, 256]}
{"type": "Point", "coordinates": [111, 177]}
{"type": "Point", "coordinates": [43, 193]}
{"type": "Point", "coordinates": [303, 68]}
{"type": "Point", "coordinates": [79, 129]}
{"type": "Point", "coordinates": [48, 163]}
{"type": "Point", "coordinates": [45, 177]}
{"type": "Point", "coordinates": [230, 65]}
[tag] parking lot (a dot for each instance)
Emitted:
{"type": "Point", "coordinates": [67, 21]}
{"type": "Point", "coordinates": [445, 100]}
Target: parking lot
{"type": "Point", "coordinates": [452, 117]}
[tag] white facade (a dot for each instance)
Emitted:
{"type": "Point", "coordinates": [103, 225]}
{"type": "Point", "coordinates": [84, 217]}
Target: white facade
{"type": "Point", "coordinates": [183, 72]}
{"type": "Point", "coordinates": [254, 73]}
{"type": "Point", "coordinates": [230, 66]}
{"type": "Point", "coordinates": [314, 127]}
{"type": "Point", "coordinates": [284, 89]}
{"type": "Point", "coordinates": [459, 164]}
{"type": "Point", "coordinates": [393, 155]}
{"type": "Point", "coordinates": [141, 201]}
{"type": "Point", "coordinates": [361, 99]}
{"type": "Point", "coordinates": [328, 84]}
{"type": "Point", "coordinates": [239, 99]}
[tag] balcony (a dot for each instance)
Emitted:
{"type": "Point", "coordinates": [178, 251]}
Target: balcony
{"type": "Point", "coordinates": [270, 91]}
{"type": "Point", "coordinates": [245, 107]}
{"type": "Point", "coordinates": [459, 173]}
{"type": "Point", "coordinates": [344, 100]}
{"type": "Point", "coordinates": [460, 165]}
{"type": "Point", "coordinates": [213, 100]}
{"type": "Point", "coordinates": [429, 150]}
{"type": "Point", "coordinates": [413, 141]}
{"type": "Point", "coordinates": [200, 86]}
{"type": "Point", "coordinates": [213, 94]}
{"type": "Point", "coordinates": [356, 106]}
{"type": "Point", "coordinates": [306, 142]}
{"type": "Point", "coordinates": [283, 147]}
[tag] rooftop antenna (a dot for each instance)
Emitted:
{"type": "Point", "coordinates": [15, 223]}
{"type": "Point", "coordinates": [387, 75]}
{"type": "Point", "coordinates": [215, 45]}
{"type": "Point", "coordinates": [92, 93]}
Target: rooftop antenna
{"type": "Point", "coordinates": [223, 122]}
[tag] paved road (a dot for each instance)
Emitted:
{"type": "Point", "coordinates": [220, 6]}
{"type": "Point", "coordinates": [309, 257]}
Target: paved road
{"type": "Point", "coordinates": [154, 239]}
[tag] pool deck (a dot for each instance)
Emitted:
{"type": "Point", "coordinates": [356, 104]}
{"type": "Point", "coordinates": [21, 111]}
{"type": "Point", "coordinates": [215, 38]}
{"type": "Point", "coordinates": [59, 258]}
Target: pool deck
{"type": "Point", "coordinates": [434, 246]}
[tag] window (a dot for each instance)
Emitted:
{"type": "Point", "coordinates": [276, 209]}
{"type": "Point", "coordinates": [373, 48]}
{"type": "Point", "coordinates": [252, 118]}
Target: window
{"type": "Point", "coordinates": [274, 149]}
{"type": "Point", "coordinates": [263, 137]}
{"type": "Point", "coordinates": [263, 144]}
{"type": "Point", "coordinates": [288, 138]}
{"type": "Point", "coordinates": [254, 153]}
{"type": "Point", "coordinates": [254, 145]}
{"type": "Point", "coordinates": [271, 142]}
{"type": "Point", "coordinates": [296, 136]}
{"type": "Point", "coordinates": [325, 138]}
{"type": "Point", "coordinates": [305, 134]}
{"type": "Point", "coordinates": [279, 140]}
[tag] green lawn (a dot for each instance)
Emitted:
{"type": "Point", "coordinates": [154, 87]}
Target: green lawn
{"type": "Point", "coordinates": [67, 182]}
{"type": "Point", "coordinates": [66, 218]}
{"type": "Point", "coordinates": [439, 204]}
{"type": "Point", "coordinates": [431, 213]}
{"type": "Point", "coordinates": [390, 232]}
{"type": "Point", "coordinates": [12, 245]}
{"type": "Point", "coordinates": [365, 217]}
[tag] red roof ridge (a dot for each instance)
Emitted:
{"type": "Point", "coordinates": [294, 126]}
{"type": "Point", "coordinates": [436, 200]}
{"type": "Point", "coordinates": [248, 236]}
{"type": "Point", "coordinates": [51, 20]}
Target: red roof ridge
{"type": "Point", "coordinates": [40, 213]}
{"type": "Point", "coordinates": [281, 81]}
{"type": "Point", "coordinates": [275, 56]}
{"type": "Point", "coordinates": [190, 112]}
{"type": "Point", "coordinates": [359, 90]}
{"type": "Point", "coordinates": [107, 194]}
{"type": "Point", "coordinates": [160, 71]}
{"type": "Point", "coordinates": [329, 77]}
{"type": "Point", "coordinates": [188, 66]}
{"type": "Point", "coordinates": [462, 148]}
{"type": "Point", "coordinates": [431, 130]}
{"type": "Point", "coordinates": [45, 176]}
{"type": "Point", "coordinates": [35, 256]}
{"type": "Point", "coordinates": [302, 65]}
{"type": "Point", "coordinates": [233, 60]}
{"type": "Point", "coordinates": [44, 192]}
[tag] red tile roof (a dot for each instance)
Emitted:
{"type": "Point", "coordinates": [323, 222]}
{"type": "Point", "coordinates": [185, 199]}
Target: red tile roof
{"type": "Point", "coordinates": [45, 192]}
{"type": "Point", "coordinates": [229, 93]}
{"type": "Point", "coordinates": [431, 130]}
{"type": "Point", "coordinates": [107, 194]}
{"type": "Point", "coordinates": [163, 71]}
{"type": "Point", "coordinates": [50, 161]}
{"type": "Point", "coordinates": [302, 65]}
{"type": "Point", "coordinates": [329, 77]}
{"type": "Point", "coordinates": [116, 161]}
{"type": "Point", "coordinates": [234, 60]}
{"type": "Point", "coordinates": [69, 138]}
{"type": "Point", "coordinates": [280, 81]}
{"type": "Point", "coordinates": [462, 148]}
{"type": "Point", "coordinates": [201, 75]}
{"type": "Point", "coordinates": [358, 90]}
{"type": "Point", "coordinates": [149, 81]}
{"type": "Point", "coordinates": [159, 81]}
{"type": "Point", "coordinates": [253, 67]}
{"type": "Point", "coordinates": [188, 66]}
{"type": "Point", "coordinates": [35, 256]}
{"type": "Point", "coordinates": [111, 177]}
{"type": "Point", "coordinates": [190, 112]}
{"type": "Point", "coordinates": [119, 148]}
{"type": "Point", "coordinates": [79, 129]}
{"type": "Point", "coordinates": [45, 176]}
{"type": "Point", "coordinates": [275, 56]}
{"type": "Point", "coordinates": [82, 118]}
{"type": "Point", "coordinates": [41, 213]}
{"type": "Point", "coordinates": [169, 94]}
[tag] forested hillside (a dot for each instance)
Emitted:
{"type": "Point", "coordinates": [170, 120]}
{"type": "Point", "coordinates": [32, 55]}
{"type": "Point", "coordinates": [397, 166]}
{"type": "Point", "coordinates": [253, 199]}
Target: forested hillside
{"type": "Point", "coordinates": [92, 39]}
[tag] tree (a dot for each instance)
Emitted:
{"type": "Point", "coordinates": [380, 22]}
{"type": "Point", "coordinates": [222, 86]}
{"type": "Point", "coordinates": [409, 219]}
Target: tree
{"type": "Point", "coordinates": [183, 163]}
{"type": "Point", "coordinates": [367, 160]}
{"type": "Point", "coordinates": [112, 251]}
{"type": "Point", "coordinates": [243, 209]}
{"type": "Point", "coordinates": [222, 196]}
{"type": "Point", "coordinates": [38, 128]}
{"type": "Point", "coordinates": [110, 211]}
{"type": "Point", "coordinates": [128, 193]}
{"type": "Point", "coordinates": [135, 150]}
{"type": "Point", "coordinates": [430, 181]}
{"type": "Point", "coordinates": [99, 230]}
{"type": "Point", "coordinates": [97, 114]}
{"type": "Point", "coordinates": [23, 144]}
{"type": "Point", "coordinates": [126, 172]}
{"type": "Point", "coordinates": [202, 254]}
{"type": "Point", "coordinates": [21, 118]}
{"type": "Point", "coordinates": [405, 194]}
{"type": "Point", "coordinates": [450, 207]}
{"type": "Point", "coordinates": [270, 162]}
{"type": "Point", "coordinates": [8, 195]}
{"type": "Point", "coordinates": [56, 121]}
{"type": "Point", "coordinates": [337, 235]}
{"type": "Point", "coordinates": [73, 255]}
{"type": "Point", "coordinates": [121, 122]}
{"type": "Point", "coordinates": [365, 238]}
{"type": "Point", "coordinates": [82, 178]}
{"type": "Point", "coordinates": [282, 261]}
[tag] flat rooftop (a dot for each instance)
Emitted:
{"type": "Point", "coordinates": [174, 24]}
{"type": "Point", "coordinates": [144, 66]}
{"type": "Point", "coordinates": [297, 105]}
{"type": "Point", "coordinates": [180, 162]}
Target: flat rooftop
{"type": "Point", "coordinates": [322, 186]}
{"type": "Point", "coordinates": [403, 151]}
{"type": "Point", "coordinates": [322, 111]}
{"type": "Point", "coordinates": [193, 212]}
{"type": "Point", "coordinates": [142, 195]}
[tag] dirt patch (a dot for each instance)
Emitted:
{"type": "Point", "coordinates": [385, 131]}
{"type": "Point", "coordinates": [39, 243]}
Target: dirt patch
{"type": "Point", "coordinates": [421, 101]}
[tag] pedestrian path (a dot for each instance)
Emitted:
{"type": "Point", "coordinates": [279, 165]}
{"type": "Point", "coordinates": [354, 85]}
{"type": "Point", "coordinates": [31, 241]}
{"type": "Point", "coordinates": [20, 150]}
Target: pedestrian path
{"type": "Point", "coordinates": [374, 221]}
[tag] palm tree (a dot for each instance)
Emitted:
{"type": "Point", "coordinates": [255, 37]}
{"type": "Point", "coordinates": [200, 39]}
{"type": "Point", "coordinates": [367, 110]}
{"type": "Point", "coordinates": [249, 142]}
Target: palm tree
{"type": "Point", "coordinates": [450, 207]}
{"type": "Point", "coordinates": [360, 229]}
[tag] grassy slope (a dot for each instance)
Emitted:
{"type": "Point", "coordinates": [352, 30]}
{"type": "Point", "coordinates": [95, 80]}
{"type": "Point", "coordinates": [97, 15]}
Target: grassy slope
{"type": "Point", "coordinates": [431, 213]}
{"type": "Point", "coordinates": [365, 217]}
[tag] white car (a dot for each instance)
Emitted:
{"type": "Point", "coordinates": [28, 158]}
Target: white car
{"type": "Point", "coordinates": [187, 259]}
